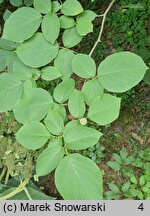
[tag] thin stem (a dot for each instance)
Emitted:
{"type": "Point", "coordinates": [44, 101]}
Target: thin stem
{"type": "Point", "coordinates": [3, 173]}
{"type": "Point", "coordinates": [7, 177]}
{"type": "Point", "coordinates": [16, 191]}
{"type": "Point", "coordinates": [102, 27]}
{"type": "Point", "coordinates": [66, 150]}
{"type": "Point", "coordinates": [27, 193]}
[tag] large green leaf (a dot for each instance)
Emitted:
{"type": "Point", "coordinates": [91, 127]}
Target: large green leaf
{"type": "Point", "coordinates": [10, 91]}
{"type": "Point", "coordinates": [22, 24]}
{"type": "Point", "coordinates": [64, 90]}
{"type": "Point", "coordinates": [76, 104]}
{"type": "Point", "coordinates": [121, 71]}
{"type": "Point", "coordinates": [91, 89]}
{"type": "Point", "coordinates": [50, 158]}
{"type": "Point", "coordinates": [50, 73]}
{"type": "Point", "coordinates": [84, 66]}
{"type": "Point", "coordinates": [71, 37]}
{"type": "Point", "coordinates": [33, 106]}
{"type": "Point", "coordinates": [104, 109]}
{"type": "Point", "coordinates": [32, 135]}
{"type": "Point", "coordinates": [37, 51]}
{"type": "Point", "coordinates": [78, 137]}
{"type": "Point", "coordinates": [51, 27]}
{"type": "Point", "coordinates": [78, 178]}
{"type": "Point", "coordinates": [71, 8]}
{"type": "Point", "coordinates": [43, 7]}
{"type": "Point", "coordinates": [66, 22]}
{"type": "Point", "coordinates": [54, 122]}
{"type": "Point", "coordinates": [64, 63]}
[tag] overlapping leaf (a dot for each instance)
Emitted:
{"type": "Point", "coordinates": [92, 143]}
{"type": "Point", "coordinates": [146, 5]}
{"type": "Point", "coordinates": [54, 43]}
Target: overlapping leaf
{"type": "Point", "coordinates": [37, 51]}
{"type": "Point", "coordinates": [22, 24]}
{"type": "Point", "coordinates": [33, 135]}
{"type": "Point", "coordinates": [33, 106]}
{"type": "Point", "coordinates": [104, 109]}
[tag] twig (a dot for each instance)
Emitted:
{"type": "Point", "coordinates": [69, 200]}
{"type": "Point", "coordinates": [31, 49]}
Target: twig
{"type": "Point", "coordinates": [27, 193]}
{"type": "Point", "coordinates": [102, 27]}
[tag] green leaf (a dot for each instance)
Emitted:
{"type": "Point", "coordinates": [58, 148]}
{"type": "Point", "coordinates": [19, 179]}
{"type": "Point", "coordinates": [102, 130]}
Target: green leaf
{"type": "Point", "coordinates": [87, 15]}
{"type": "Point", "coordinates": [50, 73]}
{"type": "Point", "coordinates": [147, 77]}
{"type": "Point", "coordinates": [142, 181]}
{"type": "Point", "coordinates": [16, 3]}
{"type": "Point", "coordinates": [114, 165]}
{"type": "Point", "coordinates": [133, 179]}
{"type": "Point", "coordinates": [78, 178]}
{"type": "Point", "coordinates": [84, 66]}
{"type": "Point", "coordinates": [84, 22]}
{"type": "Point", "coordinates": [64, 90]}
{"type": "Point", "coordinates": [114, 188]}
{"type": "Point", "coordinates": [54, 122]}
{"type": "Point", "coordinates": [84, 27]}
{"type": "Point", "coordinates": [37, 51]}
{"type": "Point", "coordinates": [1, 1]}
{"type": "Point", "coordinates": [91, 89]}
{"type": "Point", "coordinates": [126, 186]}
{"type": "Point", "coordinates": [6, 14]}
{"type": "Point", "coordinates": [78, 137]}
{"type": "Point", "coordinates": [76, 104]}
{"type": "Point", "coordinates": [56, 6]}
{"type": "Point", "coordinates": [28, 3]}
{"type": "Point", "coordinates": [7, 59]}
{"type": "Point", "coordinates": [43, 7]}
{"type": "Point", "coordinates": [33, 106]}
{"type": "Point", "coordinates": [50, 158]}
{"type": "Point", "coordinates": [66, 22]}
{"type": "Point", "coordinates": [22, 24]}
{"type": "Point", "coordinates": [63, 62]}
{"type": "Point", "coordinates": [8, 45]}
{"type": "Point", "coordinates": [129, 160]}
{"type": "Point", "coordinates": [71, 8]}
{"type": "Point", "coordinates": [3, 63]}
{"type": "Point", "coordinates": [60, 109]}
{"type": "Point", "coordinates": [71, 37]}
{"type": "Point", "coordinates": [32, 135]}
{"type": "Point", "coordinates": [104, 109]}
{"type": "Point", "coordinates": [121, 71]}
{"type": "Point", "coordinates": [51, 27]}
{"type": "Point", "coordinates": [117, 158]}
{"type": "Point", "coordinates": [10, 91]}
{"type": "Point", "coordinates": [123, 154]}
{"type": "Point", "coordinates": [22, 71]}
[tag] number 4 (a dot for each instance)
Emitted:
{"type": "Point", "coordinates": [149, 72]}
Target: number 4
{"type": "Point", "coordinates": [141, 207]}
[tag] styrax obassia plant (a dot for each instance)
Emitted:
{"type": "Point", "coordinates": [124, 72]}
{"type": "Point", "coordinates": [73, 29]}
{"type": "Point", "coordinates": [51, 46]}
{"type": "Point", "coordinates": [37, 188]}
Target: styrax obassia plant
{"type": "Point", "coordinates": [29, 50]}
